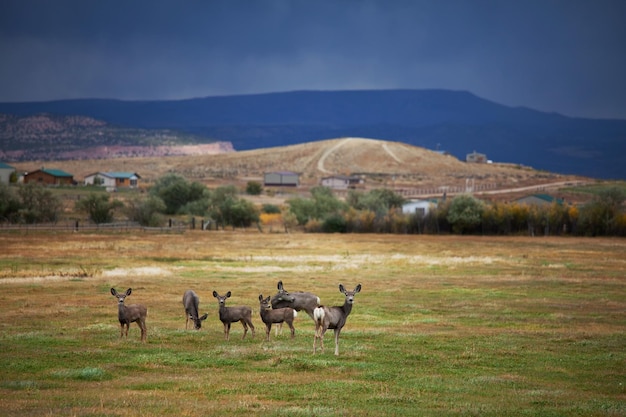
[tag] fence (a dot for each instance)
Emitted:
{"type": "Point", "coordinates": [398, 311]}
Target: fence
{"type": "Point", "coordinates": [77, 226]}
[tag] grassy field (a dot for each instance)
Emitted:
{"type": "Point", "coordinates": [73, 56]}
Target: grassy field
{"type": "Point", "coordinates": [452, 326]}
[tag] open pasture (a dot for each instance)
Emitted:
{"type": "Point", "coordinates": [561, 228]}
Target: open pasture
{"type": "Point", "coordinates": [443, 325]}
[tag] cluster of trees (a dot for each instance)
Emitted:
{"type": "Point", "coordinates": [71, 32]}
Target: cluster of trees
{"type": "Point", "coordinates": [29, 203]}
{"type": "Point", "coordinates": [376, 211]}
{"type": "Point", "coordinates": [171, 195]}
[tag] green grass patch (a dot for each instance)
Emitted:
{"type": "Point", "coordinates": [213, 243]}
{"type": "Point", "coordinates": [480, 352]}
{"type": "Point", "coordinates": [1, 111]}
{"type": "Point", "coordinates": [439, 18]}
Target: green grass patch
{"type": "Point", "coordinates": [534, 335]}
{"type": "Point", "coordinates": [84, 374]}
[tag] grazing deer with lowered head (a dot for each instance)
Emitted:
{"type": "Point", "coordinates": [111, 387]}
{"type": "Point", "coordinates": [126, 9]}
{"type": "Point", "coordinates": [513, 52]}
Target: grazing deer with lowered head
{"type": "Point", "coordinates": [191, 301]}
{"type": "Point", "coordinates": [297, 300]}
{"type": "Point", "coordinates": [333, 318]}
{"type": "Point", "coordinates": [129, 314]}
{"type": "Point", "coordinates": [230, 315]}
{"type": "Point", "coordinates": [278, 315]}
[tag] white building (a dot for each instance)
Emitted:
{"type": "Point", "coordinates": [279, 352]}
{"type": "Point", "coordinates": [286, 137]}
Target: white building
{"type": "Point", "coordinates": [113, 180]}
{"type": "Point", "coordinates": [341, 182]}
{"type": "Point", "coordinates": [419, 206]}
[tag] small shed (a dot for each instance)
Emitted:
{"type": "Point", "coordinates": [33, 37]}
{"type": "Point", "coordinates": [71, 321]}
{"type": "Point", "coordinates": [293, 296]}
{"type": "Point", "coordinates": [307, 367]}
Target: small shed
{"type": "Point", "coordinates": [341, 182]}
{"type": "Point", "coordinates": [113, 180]}
{"type": "Point", "coordinates": [46, 176]}
{"type": "Point", "coordinates": [476, 157]}
{"type": "Point", "coordinates": [5, 173]}
{"type": "Point", "coordinates": [421, 207]}
{"type": "Point", "coordinates": [281, 179]}
{"type": "Point", "coordinates": [539, 200]}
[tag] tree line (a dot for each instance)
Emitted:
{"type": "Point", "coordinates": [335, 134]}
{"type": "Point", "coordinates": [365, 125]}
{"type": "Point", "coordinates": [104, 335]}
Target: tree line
{"type": "Point", "coordinates": [375, 211]}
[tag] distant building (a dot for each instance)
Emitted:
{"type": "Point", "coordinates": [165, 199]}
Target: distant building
{"type": "Point", "coordinates": [5, 173]}
{"type": "Point", "coordinates": [476, 157]}
{"type": "Point", "coordinates": [421, 207]}
{"type": "Point", "coordinates": [341, 182]}
{"type": "Point", "coordinates": [113, 180]}
{"type": "Point", "coordinates": [539, 200]}
{"type": "Point", "coordinates": [47, 176]}
{"type": "Point", "coordinates": [281, 179]}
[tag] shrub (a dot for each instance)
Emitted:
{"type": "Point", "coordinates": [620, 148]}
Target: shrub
{"type": "Point", "coordinates": [146, 211]}
{"type": "Point", "coordinates": [380, 201]}
{"type": "Point", "coordinates": [38, 204]}
{"type": "Point", "coordinates": [176, 192]}
{"type": "Point", "coordinates": [465, 213]}
{"type": "Point", "coordinates": [322, 204]}
{"type": "Point", "coordinates": [602, 215]}
{"type": "Point", "coordinates": [99, 207]}
{"type": "Point", "coordinates": [335, 223]}
{"type": "Point", "coordinates": [270, 209]}
{"type": "Point", "coordinates": [254, 188]}
{"type": "Point", "coordinates": [10, 203]}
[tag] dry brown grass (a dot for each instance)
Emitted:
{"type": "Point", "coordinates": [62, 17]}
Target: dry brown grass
{"type": "Point", "coordinates": [392, 164]}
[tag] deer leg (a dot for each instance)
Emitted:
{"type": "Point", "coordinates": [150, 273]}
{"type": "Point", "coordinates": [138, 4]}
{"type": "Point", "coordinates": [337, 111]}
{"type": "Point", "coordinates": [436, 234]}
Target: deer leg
{"type": "Point", "coordinates": [337, 331]}
{"type": "Point", "coordinates": [293, 330]}
{"type": "Point", "coordinates": [226, 330]}
{"type": "Point", "coordinates": [248, 322]}
{"type": "Point", "coordinates": [268, 329]}
{"type": "Point", "coordinates": [245, 328]}
{"type": "Point", "coordinates": [144, 330]}
{"type": "Point", "coordinates": [319, 334]}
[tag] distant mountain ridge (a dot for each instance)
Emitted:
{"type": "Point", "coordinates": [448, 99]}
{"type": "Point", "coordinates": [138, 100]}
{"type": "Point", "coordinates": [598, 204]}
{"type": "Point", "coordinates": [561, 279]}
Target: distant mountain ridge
{"type": "Point", "coordinates": [454, 121]}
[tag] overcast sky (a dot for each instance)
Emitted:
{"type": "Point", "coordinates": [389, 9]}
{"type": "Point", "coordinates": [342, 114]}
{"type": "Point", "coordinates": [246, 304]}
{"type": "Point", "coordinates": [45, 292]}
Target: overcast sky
{"type": "Point", "coordinates": [566, 56]}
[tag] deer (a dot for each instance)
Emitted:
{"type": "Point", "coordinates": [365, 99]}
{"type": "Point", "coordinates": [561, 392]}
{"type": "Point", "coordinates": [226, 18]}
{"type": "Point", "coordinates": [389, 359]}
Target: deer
{"type": "Point", "coordinates": [297, 300]}
{"type": "Point", "coordinates": [230, 315]}
{"type": "Point", "coordinates": [333, 318]}
{"type": "Point", "coordinates": [129, 314]}
{"type": "Point", "coordinates": [191, 302]}
{"type": "Point", "coordinates": [278, 315]}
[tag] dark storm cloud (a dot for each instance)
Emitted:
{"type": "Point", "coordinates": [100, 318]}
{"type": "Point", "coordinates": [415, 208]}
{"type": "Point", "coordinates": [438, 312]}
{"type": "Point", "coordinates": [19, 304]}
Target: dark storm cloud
{"type": "Point", "coordinates": [563, 56]}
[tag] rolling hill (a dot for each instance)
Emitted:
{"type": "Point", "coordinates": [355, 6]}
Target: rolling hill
{"type": "Point", "coordinates": [407, 169]}
{"type": "Point", "coordinates": [454, 121]}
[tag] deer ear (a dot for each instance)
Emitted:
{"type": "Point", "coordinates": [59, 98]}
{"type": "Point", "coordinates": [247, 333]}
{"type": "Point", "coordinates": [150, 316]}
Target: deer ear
{"type": "Point", "coordinates": [128, 291]}
{"type": "Point", "coordinates": [215, 294]}
{"type": "Point", "coordinates": [342, 289]}
{"type": "Point", "coordinates": [267, 300]}
{"type": "Point", "coordinates": [113, 292]}
{"type": "Point", "coordinates": [280, 285]}
{"type": "Point", "coordinates": [357, 289]}
{"type": "Point", "coordinates": [204, 317]}
{"type": "Point", "coordinates": [260, 297]}
{"type": "Point", "coordinates": [228, 294]}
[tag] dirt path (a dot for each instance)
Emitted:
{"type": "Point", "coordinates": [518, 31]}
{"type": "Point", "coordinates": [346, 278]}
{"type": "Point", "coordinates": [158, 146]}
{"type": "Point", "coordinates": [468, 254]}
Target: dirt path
{"type": "Point", "coordinates": [320, 163]}
{"type": "Point", "coordinates": [386, 148]}
{"type": "Point", "coordinates": [536, 187]}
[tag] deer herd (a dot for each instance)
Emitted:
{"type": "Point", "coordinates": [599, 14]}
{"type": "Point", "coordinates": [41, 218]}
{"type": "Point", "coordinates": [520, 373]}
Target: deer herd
{"type": "Point", "coordinates": [282, 308]}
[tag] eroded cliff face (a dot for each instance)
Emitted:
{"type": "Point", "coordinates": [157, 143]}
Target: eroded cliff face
{"type": "Point", "coordinates": [48, 137]}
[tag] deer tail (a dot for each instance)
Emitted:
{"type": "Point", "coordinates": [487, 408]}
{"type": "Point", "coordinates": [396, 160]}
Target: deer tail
{"type": "Point", "coordinates": [318, 315]}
